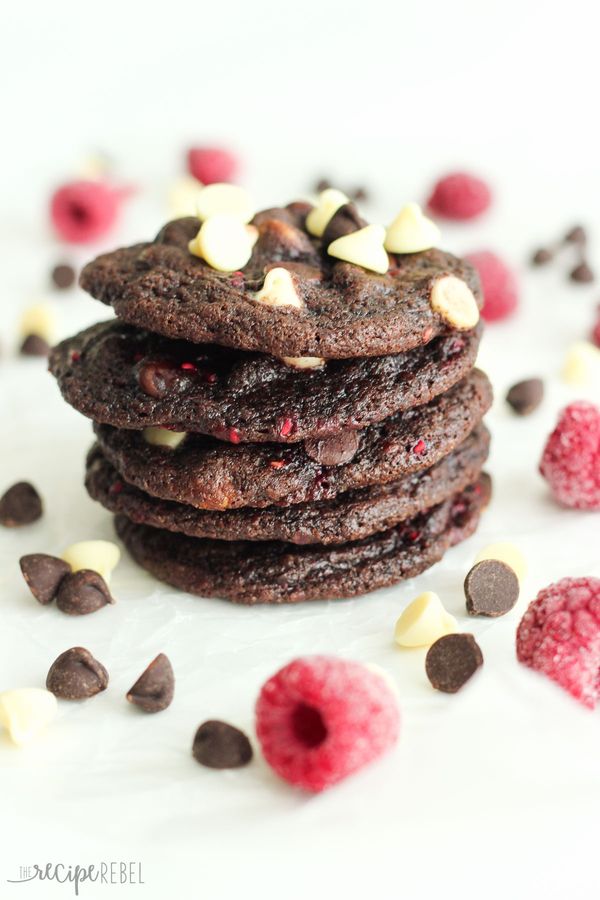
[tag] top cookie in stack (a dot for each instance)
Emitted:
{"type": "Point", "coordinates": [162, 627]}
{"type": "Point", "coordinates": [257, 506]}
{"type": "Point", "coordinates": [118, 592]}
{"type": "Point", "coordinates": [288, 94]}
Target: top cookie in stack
{"type": "Point", "coordinates": [286, 407]}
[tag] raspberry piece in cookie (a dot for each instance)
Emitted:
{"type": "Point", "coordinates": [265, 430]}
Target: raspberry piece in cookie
{"type": "Point", "coordinates": [571, 459]}
{"type": "Point", "coordinates": [460, 196]}
{"type": "Point", "coordinates": [319, 719]}
{"type": "Point", "coordinates": [499, 285]}
{"type": "Point", "coordinates": [559, 636]}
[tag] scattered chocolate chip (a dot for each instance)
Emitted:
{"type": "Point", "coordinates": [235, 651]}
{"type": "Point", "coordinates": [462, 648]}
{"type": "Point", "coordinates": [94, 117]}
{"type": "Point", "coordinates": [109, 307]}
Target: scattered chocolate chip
{"type": "Point", "coordinates": [20, 505]}
{"type": "Point", "coordinates": [63, 276]}
{"type": "Point", "coordinates": [360, 194]}
{"type": "Point", "coordinates": [576, 235]}
{"type": "Point", "coordinates": [542, 256]}
{"type": "Point", "coordinates": [525, 396]}
{"type": "Point", "coordinates": [451, 661]}
{"type": "Point", "coordinates": [344, 221]}
{"type": "Point", "coordinates": [43, 574]}
{"type": "Point", "coordinates": [491, 588]}
{"type": "Point", "coordinates": [221, 746]}
{"type": "Point", "coordinates": [83, 592]}
{"type": "Point", "coordinates": [76, 675]}
{"type": "Point", "coordinates": [35, 345]}
{"type": "Point", "coordinates": [157, 378]}
{"type": "Point", "coordinates": [333, 451]}
{"type": "Point", "coordinates": [322, 185]}
{"type": "Point", "coordinates": [154, 689]}
{"type": "Point", "coordinates": [582, 274]}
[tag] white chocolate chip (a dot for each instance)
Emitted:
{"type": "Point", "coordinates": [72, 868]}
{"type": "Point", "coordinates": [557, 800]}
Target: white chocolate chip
{"type": "Point", "coordinates": [224, 242]}
{"type": "Point", "coordinates": [423, 622]}
{"type": "Point", "coordinates": [24, 712]}
{"type": "Point", "coordinates": [363, 248]}
{"type": "Point", "coordinates": [506, 553]}
{"type": "Point", "coordinates": [182, 199]}
{"type": "Point", "coordinates": [411, 231]}
{"type": "Point", "coordinates": [328, 203]}
{"type": "Point", "coordinates": [582, 364]}
{"type": "Point", "coordinates": [99, 556]}
{"type": "Point", "coordinates": [279, 289]}
{"type": "Point", "coordinates": [39, 319]}
{"type": "Point", "coordinates": [225, 199]}
{"type": "Point", "coordinates": [304, 362]}
{"type": "Point", "coordinates": [454, 301]}
{"type": "Point", "coordinates": [163, 437]}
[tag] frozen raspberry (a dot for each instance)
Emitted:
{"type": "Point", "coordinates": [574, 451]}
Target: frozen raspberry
{"type": "Point", "coordinates": [460, 196]}
{"type": "Point", "coordinates": [571, 459]}
{"type": "Point", "coordinates": [559, 635]}
{"type": "Point", "coordinates": [319, 719]}
{"type": "Point", "coordinates": [84, 211]}
{"type": "Point", "coordinates": [211, 164]}
{"type": "Point", "coordinates": [499, 285]}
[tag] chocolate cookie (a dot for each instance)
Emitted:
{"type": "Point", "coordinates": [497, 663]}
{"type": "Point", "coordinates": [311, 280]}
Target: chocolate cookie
{"type": "Point", "coordinates": [120, 376]}
{"type": "Point", "coordinates": [210, 474]}
{"type": "Point", "coordinates": [348, 517]}
{"type": "Point", "coordinates": [348, 311]}
{"type": "Point", "coordinates": [274, 572]}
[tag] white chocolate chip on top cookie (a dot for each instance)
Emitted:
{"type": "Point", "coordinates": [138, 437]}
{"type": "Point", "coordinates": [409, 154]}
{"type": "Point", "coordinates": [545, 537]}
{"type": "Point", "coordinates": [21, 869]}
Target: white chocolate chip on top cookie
{"type": "Point", "coordinates": [328, 203]}
{"type": "Point", "coordinates": [411, 231]}
{"type": "Point", "coordinates": [224, 242]}
{"type": "Point", "coordinates": [279, 289]}
{"type": "Point", "coordinates": [454, 301]}
{"type": "Point", "coordinates": [363, 248]}
{"type": "Point", "coordinates": [224, 199]}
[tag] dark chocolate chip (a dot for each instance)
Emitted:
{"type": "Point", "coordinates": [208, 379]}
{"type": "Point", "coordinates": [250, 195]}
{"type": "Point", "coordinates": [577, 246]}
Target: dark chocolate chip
{"type": "Point", "coordinates": [542, 256]}
{"type": "Point", "coordinates": [221, 746]}
{"type": "Point", "coordinates": [525, 396]}
{"type": "Point", "coordinates": [156, 379]}
{"type": "Point", "coordinates": [360, 194]}
{"type": "Point", "coordinates": [83, 592]}
{"type": "Point", "coordinates": [154, 689]}
{"type": "Point", "coordinates": [582, 273]}
{"type": "Point", "coordinates": [43, 574]}
{"type": "Point", "coordinates": [491, 588]}
{"type": "Point", "coordinates": [576, 235]}
{"type": "Point", "coordinates": [322, 185]}
{"type": "Point", "coordinates": [63, 276]}
{"type": "Point", "coordinates": [344, 221]}
{"type": "Point", "coordinates": [35, 345]}
{"type": "Point", "coordinates": [283, 240]}
{"type": "Point", "coordinates": [76, 675]}
{"type": "Point", "coordinates": [334, 451]}
{"type": "Point", "coordinates": [451, 661]}
{"type": "Point", "coordinates": [20, 505]}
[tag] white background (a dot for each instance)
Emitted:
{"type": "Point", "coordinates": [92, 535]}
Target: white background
{"type": "Point", "coordinates": [491, 793]}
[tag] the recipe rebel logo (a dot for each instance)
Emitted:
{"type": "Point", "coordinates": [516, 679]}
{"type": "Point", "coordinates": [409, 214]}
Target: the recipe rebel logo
{"type": "Point", "coordinates": [105, 873]}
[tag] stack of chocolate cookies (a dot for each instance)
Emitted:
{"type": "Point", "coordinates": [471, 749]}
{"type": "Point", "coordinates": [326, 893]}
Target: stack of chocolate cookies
{"type": "Point", "coordinates": [288, 409]}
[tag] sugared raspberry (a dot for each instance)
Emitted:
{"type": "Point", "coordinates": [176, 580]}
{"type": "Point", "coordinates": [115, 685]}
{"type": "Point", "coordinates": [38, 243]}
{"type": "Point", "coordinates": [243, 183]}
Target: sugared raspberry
{"type": "Point", "coordinates": [559, 635]}
{"type": "Point", "coordinates": [84, 211]}
{"type": "Point", "coordinates": [571, 459]}
{"type": "Point", "coordinates": [460, 196]}
{"type": "Point", "coordinates": [211, 164]}
{"type": "Point", "coordinates": [499, 285]}
{"type": "Point", "coordinates": [319, 719]}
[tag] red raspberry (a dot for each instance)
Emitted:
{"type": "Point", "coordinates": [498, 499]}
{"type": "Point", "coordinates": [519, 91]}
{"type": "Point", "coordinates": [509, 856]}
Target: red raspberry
{"type": "Point", "coordinates": [319, 719]}
{"type": "Point", "coordinates": [460, 196]}
{"type": "Point", "coordinates": [571, 459]}
{"type": "Point", "coordinates": [211, 164]}
{"type": "Point", "coordinates": [499, 285]}
{"type": "Point", "coordinates": [84, 211]}
{"type": "Point", "coordinates": [559, 635]}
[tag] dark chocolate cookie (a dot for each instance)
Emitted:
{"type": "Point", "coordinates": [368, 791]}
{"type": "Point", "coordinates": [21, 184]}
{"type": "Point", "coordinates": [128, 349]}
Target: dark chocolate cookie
{"type": "Point", "coordinates": [120, 376]}
{"type": "Point", "coordinates": [210, 474]}
{"type": "Point", "coordinates": [347, 312]}
{"type": "Point", "coordinates": [348, 517]}
{"type": "Point", "coordinates": [275, 572]}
